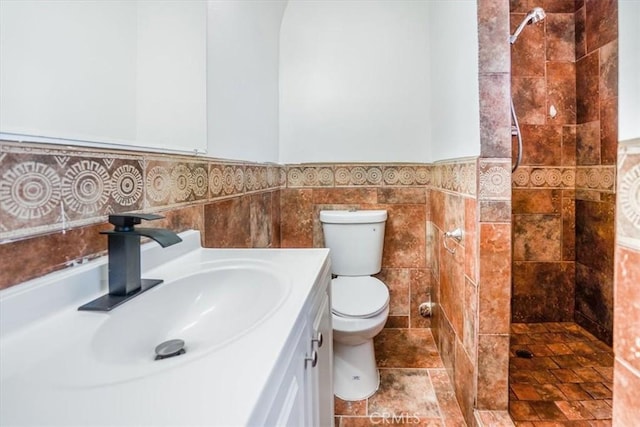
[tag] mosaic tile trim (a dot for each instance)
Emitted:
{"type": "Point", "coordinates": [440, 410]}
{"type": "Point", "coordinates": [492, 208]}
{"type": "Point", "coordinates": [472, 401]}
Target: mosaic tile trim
{"type": "Point", "coordinates": [628, 197]}
{"type": "Point", "coordinates": [495, 179]}
{"type": "Point", "coordinates": [358, 175]}
{"type": "Point", "coordinates": [459, 177]}
{"type": "Point", "coordinates": [600, 178]}
{"type": "Point", "coordinates": [544, 177]}
{"type": "Point", "coordinates": [47, 188]}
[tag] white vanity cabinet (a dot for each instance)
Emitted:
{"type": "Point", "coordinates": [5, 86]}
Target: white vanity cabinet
{"type": "Point", "coordinates": [300, 390]}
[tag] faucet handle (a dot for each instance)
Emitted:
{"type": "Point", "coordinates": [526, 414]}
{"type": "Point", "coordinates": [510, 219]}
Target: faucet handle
{"type": "Point", "coordinates": [126, 221]}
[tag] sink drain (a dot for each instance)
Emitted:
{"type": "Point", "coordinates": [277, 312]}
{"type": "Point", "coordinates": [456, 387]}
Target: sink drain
{"type": "Point", "coordinates": [170, 348]}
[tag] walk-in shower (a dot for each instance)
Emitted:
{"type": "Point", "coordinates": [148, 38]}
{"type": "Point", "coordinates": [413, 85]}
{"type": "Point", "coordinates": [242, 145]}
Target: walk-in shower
{"type": "Point", "coordinates": [535, 15]}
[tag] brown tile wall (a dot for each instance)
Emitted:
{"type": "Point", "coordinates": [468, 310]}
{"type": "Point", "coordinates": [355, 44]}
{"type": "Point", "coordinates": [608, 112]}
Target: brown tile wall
{"type": "Point", "coordinates": [543, 75]}
{"type": "Point", "coordinates": [626, 339]}
{"type": "Point", "coordinates": [596, 151]}
{"type": "Point", "coordinates": [55, 200]}
{"type": "Point", "coordinates": [402, 190]}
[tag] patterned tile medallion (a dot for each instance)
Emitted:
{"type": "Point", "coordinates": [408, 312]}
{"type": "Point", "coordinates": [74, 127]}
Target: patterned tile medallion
{"type": "Point", "coordinates": [628, 216]}
{"type": "Point", "coordinates": [44, 189]}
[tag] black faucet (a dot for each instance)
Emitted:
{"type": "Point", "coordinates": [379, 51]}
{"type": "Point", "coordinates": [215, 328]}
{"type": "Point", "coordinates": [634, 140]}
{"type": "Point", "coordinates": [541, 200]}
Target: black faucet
{"type": "Point", "coordinates": [125, 281]}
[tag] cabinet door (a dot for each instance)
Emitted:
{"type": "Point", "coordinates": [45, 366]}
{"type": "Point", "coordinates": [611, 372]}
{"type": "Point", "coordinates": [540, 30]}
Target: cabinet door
{"type": "Point", "coordinates": [321, 381]}
{"type": "Point", "coordinates": [290, 404]}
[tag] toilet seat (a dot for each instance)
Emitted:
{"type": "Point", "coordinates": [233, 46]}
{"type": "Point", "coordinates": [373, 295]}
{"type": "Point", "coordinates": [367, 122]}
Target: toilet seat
{"type": "Point", "coordinates": [358, 297]}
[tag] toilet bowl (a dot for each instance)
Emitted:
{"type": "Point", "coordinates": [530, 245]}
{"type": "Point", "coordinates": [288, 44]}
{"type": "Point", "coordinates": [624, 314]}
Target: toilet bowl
{"type": "Point", "coordinates": [356, 374]}
{"type": "Point", "coordinates": [360, 302]}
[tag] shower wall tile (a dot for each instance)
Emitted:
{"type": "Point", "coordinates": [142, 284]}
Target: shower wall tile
{"type": "Point", "coordinates": [547, 148]}
{"type": "Point", "coordinates": [601, 22]}
{"type": "Point", "coordinates": [581, 31]}
{"type": "Point", "coordinates": [492, 50]}
{"type": "Point", "coordinates": [608, 131]}
{"type": "Point", "coordinates": [587, 88]}
{"type": "Point", "coordinates": [543, 292]}
{"type": "Point", "coordinates": [530, 98]}
{"type": "Point", "coordinates": [561, 86]}
{"type": "Point", "coordinates": [609, 70]}
{"type": "Point", "coordinates": [594, 301]}
{"type": "Point", "coordinates": [528, 53]}
{"type": "Point", "coordinates": [569, 145]}
{"type": "Point", "coordinates": [568, 226]}
{"type": "Point", "coordinates": [588, 143]}
{"type": "Point", "coordinates": [554, 6]}
{"type": "Point", "coordinates": [526, 201]}
{"type": "Point", "coordinates": [495, 128]}
{"type": "Point", "coordinates": [594, 235]}
{"type": "Point", "coordinates": [560, 32]}
{"type": "Point", "coordinates": [537, 237]}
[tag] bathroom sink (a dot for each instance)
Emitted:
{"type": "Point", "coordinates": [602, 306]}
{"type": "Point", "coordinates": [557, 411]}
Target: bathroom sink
{"type": "Point", "coordinates": [206, 310]}
{"type": "Point", "coordinates": [237, 311]}
{"type": "Point", "coordinates": [218, 304]}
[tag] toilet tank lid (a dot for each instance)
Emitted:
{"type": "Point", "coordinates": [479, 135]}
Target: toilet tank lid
{"type": "Point", "coordinates": [353, 217]}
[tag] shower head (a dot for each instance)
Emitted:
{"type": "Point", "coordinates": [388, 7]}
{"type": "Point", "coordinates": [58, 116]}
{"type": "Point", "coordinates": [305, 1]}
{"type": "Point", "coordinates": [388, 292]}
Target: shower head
{"type": "Point", "coordinates": [535, 15]}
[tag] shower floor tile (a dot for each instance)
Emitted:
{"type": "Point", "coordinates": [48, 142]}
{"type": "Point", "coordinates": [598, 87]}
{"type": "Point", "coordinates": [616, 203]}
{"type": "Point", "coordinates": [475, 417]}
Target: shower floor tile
{"type": "Point", "coordinates": [566, 382]}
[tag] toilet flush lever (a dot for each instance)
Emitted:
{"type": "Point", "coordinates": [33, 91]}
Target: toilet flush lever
{"type": "Point", "coordinates": [455, 234]}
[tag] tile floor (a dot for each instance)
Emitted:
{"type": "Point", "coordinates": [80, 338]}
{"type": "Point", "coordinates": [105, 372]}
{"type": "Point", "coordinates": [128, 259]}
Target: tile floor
{"type": "Point", "coordinates": [567, 382]}
{"type": "Point", "coordinates": [414, 386]}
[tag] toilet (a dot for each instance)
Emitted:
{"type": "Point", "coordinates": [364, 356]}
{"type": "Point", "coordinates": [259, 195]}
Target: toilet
{"type": "Point", "coordinates": [359, 302]}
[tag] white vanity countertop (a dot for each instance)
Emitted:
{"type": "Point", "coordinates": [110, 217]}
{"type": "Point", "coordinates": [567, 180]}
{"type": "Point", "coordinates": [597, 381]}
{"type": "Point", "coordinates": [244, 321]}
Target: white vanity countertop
{"type": "Point", "coordinates": [40, 325]}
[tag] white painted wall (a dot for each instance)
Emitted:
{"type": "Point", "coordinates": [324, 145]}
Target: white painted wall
{"type": "Point", "coordinates": [242, 69]}
{"type": "Point", "coordinates": [354, 79]}
{"type": "Point", "coordinates": [454, 95]}
{"type": "Point", "coordinates": [104, 73]}
{"type": "Point", "coordinates": [629, 70]}
{"type": "Point", "coordinates": [378, 81]}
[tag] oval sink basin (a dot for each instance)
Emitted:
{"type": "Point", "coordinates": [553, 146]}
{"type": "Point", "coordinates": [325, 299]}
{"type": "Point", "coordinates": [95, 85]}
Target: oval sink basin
{"type": "Point", "coordinates": [207, 310]}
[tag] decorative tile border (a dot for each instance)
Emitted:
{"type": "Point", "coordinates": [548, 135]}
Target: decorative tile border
{"type": "Point", "coordinates": [495, 179]}
{"type": "Point", "coordinates": [544, 177]}
{"type": "Point", "coordinates": [599, 178]}
{"type": "Point", "coordinates": [459, 177]}
{"type": "Point", "coordinates": [628, 202]}
{"type": "Point", "coordinates": [46, 188]}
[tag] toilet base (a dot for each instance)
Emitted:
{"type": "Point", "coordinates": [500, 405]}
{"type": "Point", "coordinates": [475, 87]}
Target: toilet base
{"type": "Point", "coordinates": [355, 374]}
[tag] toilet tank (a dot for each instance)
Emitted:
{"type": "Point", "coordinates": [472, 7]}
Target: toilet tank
{"type": "Point", "coordinates": [355, 239]}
